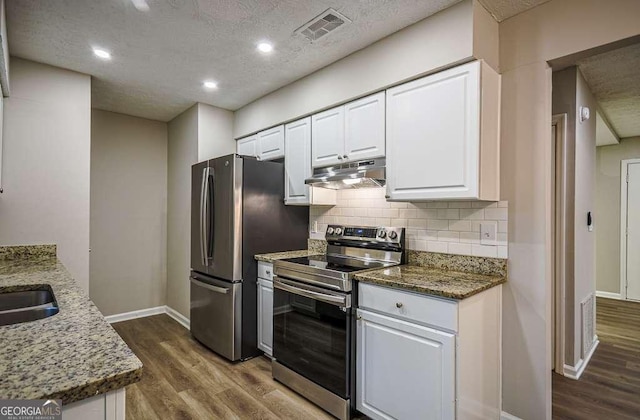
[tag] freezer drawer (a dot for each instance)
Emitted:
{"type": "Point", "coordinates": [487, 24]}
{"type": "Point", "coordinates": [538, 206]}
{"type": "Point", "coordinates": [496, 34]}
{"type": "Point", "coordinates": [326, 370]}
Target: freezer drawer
{"type": "Point", "coordinates": [216, 314]}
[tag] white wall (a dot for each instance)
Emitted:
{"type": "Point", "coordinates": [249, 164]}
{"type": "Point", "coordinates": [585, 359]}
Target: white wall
{"type": "Point", "coordinates": [438, 226]}
{"type": "Point", "coordinates": [215, 132]}
{"type": "Point", "coordinates": [527, 42]}
{"type": "Point", "coordinates": [128, 269]}
{"type": "Point", "coordinates": [608, 211]}
{"type": "Point", "coordinates": [46, 158]}
{"type": "Point", "coordinates": [448, 37]}
{"type": "Point", "coordinates": [183, 152]}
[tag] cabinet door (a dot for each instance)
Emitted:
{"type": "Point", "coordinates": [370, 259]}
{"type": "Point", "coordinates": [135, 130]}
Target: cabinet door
{"type": "Point", "coordinates": [364, 124]}
{"type": "Point", "coordinates": [247, 146]}
{"type": "Point", "coordinates": [297, 161]}
{"type": "Point", "coordinates": [433, 136]}
{"type": "Point", "coordinates": [265, 316]}
{"type": "Point", "coordinates": [327, 137]}
{"type": "Point", "coordinates": [404, 370]}
{"type": "Point", "coordinates": [271, 143]}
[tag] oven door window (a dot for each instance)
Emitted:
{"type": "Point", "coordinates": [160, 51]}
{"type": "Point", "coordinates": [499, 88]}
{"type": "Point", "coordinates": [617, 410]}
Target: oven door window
{"type": "Point", "coordinates": [312, 338]}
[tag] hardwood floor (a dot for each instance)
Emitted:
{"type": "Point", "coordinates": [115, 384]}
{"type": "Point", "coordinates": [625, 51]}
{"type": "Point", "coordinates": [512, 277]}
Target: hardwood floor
{"type": "Point", "coordinates": [184, 380]}
{"type": "Point", "coordinates": [610, 386]}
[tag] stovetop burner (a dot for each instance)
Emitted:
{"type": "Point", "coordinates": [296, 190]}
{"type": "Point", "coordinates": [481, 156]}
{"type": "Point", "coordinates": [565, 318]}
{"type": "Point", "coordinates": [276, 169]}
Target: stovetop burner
{"type": "Point", "coordinates": [335, 263]}
{"type": "Point", "coordinates": [350, 249]}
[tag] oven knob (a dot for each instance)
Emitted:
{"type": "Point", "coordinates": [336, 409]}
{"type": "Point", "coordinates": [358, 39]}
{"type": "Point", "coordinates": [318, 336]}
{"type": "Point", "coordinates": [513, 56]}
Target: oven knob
{"type": "Point", "coordinates": [338, 231]}
{"type": "Point", "coordinates": [329, 231]}
{"type": "Point", "coordinates": [382, 233]}
{"type": "Point", "coordinates": [393, 235]}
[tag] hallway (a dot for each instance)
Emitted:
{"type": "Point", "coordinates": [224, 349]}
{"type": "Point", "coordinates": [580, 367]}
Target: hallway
{"type": "Point", "coordinates": [610, 386]}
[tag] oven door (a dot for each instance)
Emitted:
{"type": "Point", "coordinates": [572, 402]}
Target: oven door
{"type": "Point", "coordinates": [312, 333]}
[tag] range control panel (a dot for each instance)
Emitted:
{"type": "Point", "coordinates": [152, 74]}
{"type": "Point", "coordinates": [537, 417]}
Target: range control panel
{"type": "Point", "coordinates": [365, 233]}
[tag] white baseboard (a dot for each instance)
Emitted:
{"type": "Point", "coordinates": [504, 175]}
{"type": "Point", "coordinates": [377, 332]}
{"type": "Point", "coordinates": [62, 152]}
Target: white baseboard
{"type": "Point", "coordinates": [181, 319]}
{"type": "Point", "coordinates": [506, 416]}
{"type": "Point", "coordinates": [126, 316]}
{"type": "Point", "coordinates": [609, 295]}
{"type": "Point", "coordinates": [158, 310]}
{"type": "Point", "coordinates": [574, 372]}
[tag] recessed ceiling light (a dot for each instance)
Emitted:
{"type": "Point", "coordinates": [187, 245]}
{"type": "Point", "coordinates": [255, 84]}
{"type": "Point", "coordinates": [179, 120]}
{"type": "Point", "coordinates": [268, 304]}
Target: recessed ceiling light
{"type": "Point", "coordinates": [265, 47]}
{"type": "Point", "coordinates": [209, 84]}
{"type": "Point", "coordinates": [104, 54]}
{"type": "Point", "coordinates": [141, 5]}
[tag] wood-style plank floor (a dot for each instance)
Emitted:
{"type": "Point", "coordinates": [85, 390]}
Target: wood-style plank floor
{"type": "Point", "coordinates": [610, 386]}
{"type": "Point", "coordinates": [184, 380]}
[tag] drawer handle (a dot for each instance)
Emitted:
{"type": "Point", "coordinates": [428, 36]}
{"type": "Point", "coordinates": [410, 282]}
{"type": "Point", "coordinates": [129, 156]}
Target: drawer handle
{"type": "Point", "coordinates": [399, 305]}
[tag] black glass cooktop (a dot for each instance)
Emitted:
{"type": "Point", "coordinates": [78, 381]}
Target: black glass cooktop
{"type": "Point", "coordinates": [345, 265]}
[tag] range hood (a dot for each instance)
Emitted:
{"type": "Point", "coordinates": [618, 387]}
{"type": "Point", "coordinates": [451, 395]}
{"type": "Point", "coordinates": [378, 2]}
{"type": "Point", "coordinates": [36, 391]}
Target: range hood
{"type": "Point", "coordinates": [362, 174]}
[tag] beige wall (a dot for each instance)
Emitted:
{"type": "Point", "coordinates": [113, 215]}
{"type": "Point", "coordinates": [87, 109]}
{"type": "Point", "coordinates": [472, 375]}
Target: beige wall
{"type": "Point", "coordinates": [607, 216]}
{"type": "Point", "coordinates": [183, 152]}
{"type": "Point", "coordinates": [215, 132]}
{"type": "Point", "coordinates": [570, 93]}
{"type": "Point", "coordinates": [128, 268]}
{"type": "Point", "coordinates": [46, 158]}
{"type": "Point", "coordinates": [441, 40]}
{"type": "Point", "coordinates": [527, 41]}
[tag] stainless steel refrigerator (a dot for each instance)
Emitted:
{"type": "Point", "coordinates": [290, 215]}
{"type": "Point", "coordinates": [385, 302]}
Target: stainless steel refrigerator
{"type": "Point", "coordinates": [237, 211]}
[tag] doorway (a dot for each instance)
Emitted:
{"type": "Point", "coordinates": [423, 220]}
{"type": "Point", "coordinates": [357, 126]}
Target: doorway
{"type": "Point", "coordinates": [630, 229]}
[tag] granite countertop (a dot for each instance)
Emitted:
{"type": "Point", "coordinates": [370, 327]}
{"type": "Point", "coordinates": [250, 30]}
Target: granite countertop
{"type": "Point", "coordinates": [72, 355]}
{"type": "Point", "coordinates": [285, 254]}
{"type": "Point", "coordinates": [432, 281]}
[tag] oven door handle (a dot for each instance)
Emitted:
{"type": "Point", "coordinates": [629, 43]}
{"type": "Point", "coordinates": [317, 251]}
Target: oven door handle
{"type": "Point", "coordinates": [302, 290]}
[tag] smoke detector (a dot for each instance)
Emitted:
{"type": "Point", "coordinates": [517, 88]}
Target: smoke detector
{"type": "Point", "coordinates": [321, 25]}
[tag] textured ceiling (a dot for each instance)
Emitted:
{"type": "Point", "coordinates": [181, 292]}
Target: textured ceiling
{"type": "Point", "coordinates": [614, 79]}
{"type": "Point", "coordinates": [504, 9]}
{"type": "Point", "coordinates": [161, 57]}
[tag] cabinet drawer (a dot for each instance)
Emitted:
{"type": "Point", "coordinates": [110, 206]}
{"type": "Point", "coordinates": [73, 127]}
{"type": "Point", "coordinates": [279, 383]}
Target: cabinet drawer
{"type": "Point", "coordinates": [265, 270]}
{"type": "Point", "coordinates": [400, 304]}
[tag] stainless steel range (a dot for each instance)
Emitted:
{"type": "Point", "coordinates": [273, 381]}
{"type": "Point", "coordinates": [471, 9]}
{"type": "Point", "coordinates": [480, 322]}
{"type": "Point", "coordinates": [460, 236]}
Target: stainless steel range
{"type": "Point", "coordinates": [313, 322]}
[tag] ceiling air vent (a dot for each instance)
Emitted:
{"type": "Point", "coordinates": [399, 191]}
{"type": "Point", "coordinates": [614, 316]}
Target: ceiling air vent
{"type": "Point", "coordinates": [319, 26]}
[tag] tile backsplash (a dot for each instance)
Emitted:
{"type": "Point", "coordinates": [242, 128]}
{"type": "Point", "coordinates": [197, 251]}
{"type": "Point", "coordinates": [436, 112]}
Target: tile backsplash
{"type": "Point", "coordinates": [438, 226]}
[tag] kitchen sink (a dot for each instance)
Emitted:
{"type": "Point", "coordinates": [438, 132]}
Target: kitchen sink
{"type": "Point", "coordinates": [27, 305]}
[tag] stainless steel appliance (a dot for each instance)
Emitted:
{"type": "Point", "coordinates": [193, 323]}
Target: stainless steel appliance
{"type": "Point", "coordinates": [313, 322]}
{"type": "Point", "coordinates": [369, 173]}
{"type": "Point", "coordinates": [237, 211]}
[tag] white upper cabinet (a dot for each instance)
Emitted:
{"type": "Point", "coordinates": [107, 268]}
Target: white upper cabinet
{"type": "Point", "coordinates": [364, 122]}
{"type": "Point", "coordinates": [247, 146]}
{"type": "Point", "coordinates": [271, 143]}
{"type": "Point", "coordinates": [443, 136]}
{"type": "Point", "coordinates": [297, 167]}
{"type": "Point", "coordinates": [328, 137]}
{"type": "Point", "coordinates": [297, 161]}
{"type": "Point", "coordinates": [350, 132]}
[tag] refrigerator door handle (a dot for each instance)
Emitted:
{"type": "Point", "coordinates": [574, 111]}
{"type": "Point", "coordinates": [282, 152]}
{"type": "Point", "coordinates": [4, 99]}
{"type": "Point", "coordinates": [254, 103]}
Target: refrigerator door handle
{"type": "Point", "coordinates": [211, 287]}
{"type": "Point", "coordinates": [211, 200]}
{"type": "Point", "coordinates": [203, 216]}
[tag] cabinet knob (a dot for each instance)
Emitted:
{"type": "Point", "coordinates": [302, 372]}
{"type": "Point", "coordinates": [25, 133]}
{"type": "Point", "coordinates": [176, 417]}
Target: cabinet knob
{"type": "Point", "coordinates": [345, 156]}
{"type": "Point", "coordinates": [399, 305]}
{"type": "Point", "coordinates": [359, 317]}
{"type": "Point", "coordinates": [268, 272]}
{"type": "Point", "coordinates": [339, 157]}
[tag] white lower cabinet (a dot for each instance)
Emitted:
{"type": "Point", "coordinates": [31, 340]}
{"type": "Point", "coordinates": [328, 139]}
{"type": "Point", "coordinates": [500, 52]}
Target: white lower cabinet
{"type": "Point", "coordinates": [265, 310]}
{"type": "Point", "coordinates": [424, 357]}
{"type": "Point", "coordinates": [109, 406]}
{"type": "Point", "coordinates": [405, 370]}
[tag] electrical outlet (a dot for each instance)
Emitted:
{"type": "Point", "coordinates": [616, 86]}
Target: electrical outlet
{"type": "Point", "coordinates": [489, 233]}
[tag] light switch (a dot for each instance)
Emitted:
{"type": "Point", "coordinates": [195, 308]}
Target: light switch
{"type": "Point", "coordinates": [489, 233]}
